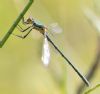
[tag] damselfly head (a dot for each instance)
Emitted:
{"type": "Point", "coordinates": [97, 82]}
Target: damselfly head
{"type": "Point", "coordinates": [29, 20]}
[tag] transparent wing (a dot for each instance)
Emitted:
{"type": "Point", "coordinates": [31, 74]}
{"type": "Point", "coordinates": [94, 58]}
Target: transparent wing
{"type": "Point", "coordinates": [54, 28]}
{"type": "Point", "coordinates": [46, 52]}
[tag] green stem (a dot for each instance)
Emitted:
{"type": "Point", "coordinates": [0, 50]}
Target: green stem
{"type": "Point", "coordinates": [97, 86]}
{"type": "Point", "coordinates": [7, 35]}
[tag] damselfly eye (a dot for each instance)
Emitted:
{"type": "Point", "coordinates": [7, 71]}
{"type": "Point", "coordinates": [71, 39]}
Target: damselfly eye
{"type": "Point", "coordinates": [29, 21]}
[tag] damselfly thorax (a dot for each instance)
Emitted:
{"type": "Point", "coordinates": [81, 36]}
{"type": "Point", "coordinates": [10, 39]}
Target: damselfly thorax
{"type": "Point", "coordinates": [39, 27]}
{"type": "Point", "coordinates": [42, 29]}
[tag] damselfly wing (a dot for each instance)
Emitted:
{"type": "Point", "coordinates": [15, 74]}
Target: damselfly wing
{"type": "Point", "coordinates": [46, 51]}
{"type": "Point", "coordinates": [52, 28]}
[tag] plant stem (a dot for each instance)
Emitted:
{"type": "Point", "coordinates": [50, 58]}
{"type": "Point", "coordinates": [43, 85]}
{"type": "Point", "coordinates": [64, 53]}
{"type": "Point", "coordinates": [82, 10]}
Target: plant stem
{"type": "Point", "coordinates": [91, 90]}
{"type": "Point", "coordinates": [7, 35]}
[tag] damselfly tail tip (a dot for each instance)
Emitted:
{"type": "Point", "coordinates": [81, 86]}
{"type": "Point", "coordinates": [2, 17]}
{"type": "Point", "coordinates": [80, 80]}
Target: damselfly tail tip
{"type": "Point", "coordinates": [87, 82]}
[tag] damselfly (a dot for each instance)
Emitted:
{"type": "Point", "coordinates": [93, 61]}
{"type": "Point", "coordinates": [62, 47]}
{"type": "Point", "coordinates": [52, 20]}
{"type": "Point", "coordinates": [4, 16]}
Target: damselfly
{"type": "Point", "coordinates": [46, 54]}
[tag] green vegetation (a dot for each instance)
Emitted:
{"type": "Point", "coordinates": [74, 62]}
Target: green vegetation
{"type": "Point", "coordinates": [93, 89]}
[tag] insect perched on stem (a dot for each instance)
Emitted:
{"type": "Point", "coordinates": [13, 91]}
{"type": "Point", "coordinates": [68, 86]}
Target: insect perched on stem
{"type": "Point", "coordinates": [46, 53]}
{"type": "Point", "coordinates": [44, 31]}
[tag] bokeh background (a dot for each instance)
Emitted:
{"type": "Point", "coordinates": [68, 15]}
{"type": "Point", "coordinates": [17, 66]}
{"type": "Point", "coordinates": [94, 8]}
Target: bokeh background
{"type": "Point", "coordinates": [21, 69]}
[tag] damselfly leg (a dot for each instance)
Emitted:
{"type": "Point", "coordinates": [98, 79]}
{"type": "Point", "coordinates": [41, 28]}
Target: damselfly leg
{"type": "Point", "coordinates": [23, 30]}
{"type": "Point", "coordinates": [28, 29]}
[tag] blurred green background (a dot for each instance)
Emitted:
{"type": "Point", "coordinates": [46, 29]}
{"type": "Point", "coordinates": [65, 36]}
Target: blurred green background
{"type": "Point", "coordinates": [21, 69]}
